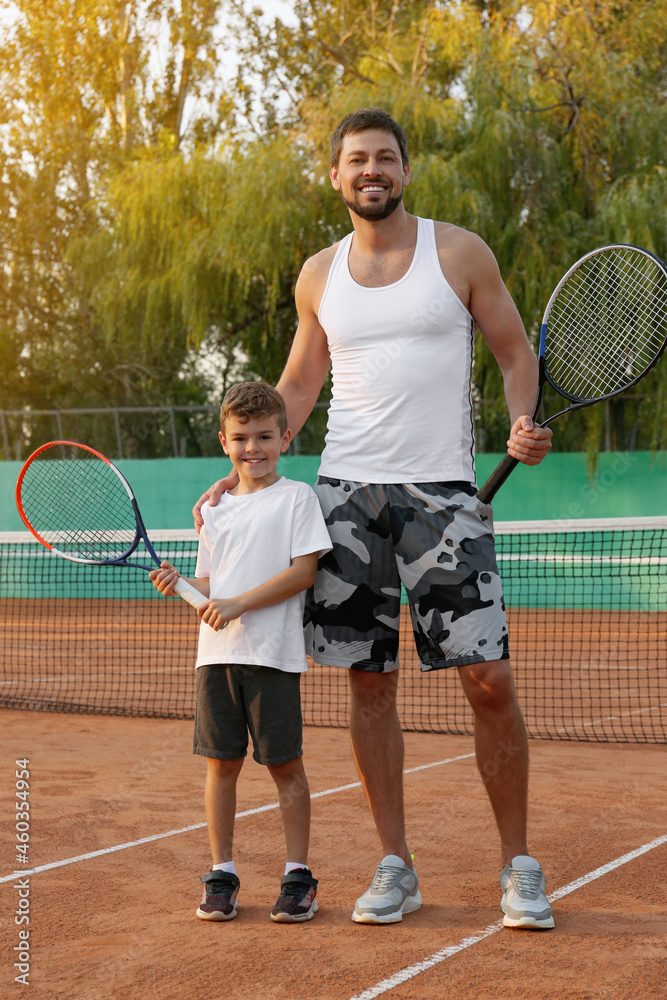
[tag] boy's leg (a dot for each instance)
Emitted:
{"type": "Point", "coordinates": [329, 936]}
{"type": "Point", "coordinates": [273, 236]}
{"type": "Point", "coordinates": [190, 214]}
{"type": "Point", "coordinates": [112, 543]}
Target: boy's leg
{"type": "Point", "coordinates": [221, 736]}
{"type": "Point", "coordinates": [273, 710]}
{"type": "Point", "coordinates": [294, 799]}
{"type": "Point", "coordinates": [220, 886]}
{"type": "Point", "coordinates": [220, 802]}
{"type": "Point", "coordinates": [272, 702]}
{"type": "Point", "coordinates": [296, 902]}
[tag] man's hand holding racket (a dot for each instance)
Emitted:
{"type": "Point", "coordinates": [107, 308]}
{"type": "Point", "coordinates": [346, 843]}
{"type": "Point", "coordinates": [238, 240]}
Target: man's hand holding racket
{"type": "Point", "coordinates": [528, 441]}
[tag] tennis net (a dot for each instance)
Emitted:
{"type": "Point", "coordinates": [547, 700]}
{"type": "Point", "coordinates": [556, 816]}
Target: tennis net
{"type": "Point", "coordinates": [587, 609]}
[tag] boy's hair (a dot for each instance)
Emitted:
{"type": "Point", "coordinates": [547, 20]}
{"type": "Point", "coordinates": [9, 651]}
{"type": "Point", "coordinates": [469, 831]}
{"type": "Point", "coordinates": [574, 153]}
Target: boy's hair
{"type": "Point", "coordinates": [360, 121]}
{"type": "Point", "coordinates": [253, 399]}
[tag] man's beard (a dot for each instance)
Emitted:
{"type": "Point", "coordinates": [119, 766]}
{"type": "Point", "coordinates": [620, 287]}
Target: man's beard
{"type": "Point", "coordinates": [374, 212]}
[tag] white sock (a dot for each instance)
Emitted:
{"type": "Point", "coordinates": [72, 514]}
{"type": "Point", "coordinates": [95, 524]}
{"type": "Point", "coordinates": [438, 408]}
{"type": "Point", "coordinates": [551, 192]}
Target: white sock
{"type": "Point", "coordinates": [225, 866]}
{"type": "Point", "coordinates": [293, 865]}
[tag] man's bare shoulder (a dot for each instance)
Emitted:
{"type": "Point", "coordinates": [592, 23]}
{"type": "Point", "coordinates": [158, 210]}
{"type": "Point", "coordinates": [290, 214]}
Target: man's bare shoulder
{"type": "Point", "coordinates": [451, 237]}
{"type": "Point", "coordinates": [313, 278]}
{"type": "Point", "coordinates": [464, 257]}
{"type": "Point", "coordinates": [319, 263]}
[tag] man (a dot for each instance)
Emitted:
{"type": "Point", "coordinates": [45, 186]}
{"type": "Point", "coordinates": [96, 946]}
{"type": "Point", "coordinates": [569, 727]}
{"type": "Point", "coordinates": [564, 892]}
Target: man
{"type": "Point", "coordinates": [393, 309]}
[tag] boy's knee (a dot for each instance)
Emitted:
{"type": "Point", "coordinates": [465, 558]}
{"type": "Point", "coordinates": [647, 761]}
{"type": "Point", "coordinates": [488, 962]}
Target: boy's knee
{"type": "Point", "coordinates": [291, 770]}
{"type": "Point", "coordinates": [224, 768]}
{"type": "Point", "coordinates": [290, 780]}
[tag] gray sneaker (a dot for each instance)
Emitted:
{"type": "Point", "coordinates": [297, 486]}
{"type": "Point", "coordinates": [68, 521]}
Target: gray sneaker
{"type": "Point", "coordinates": [393, 892]}
{"type": "Point", "coordinates": [524, 901]}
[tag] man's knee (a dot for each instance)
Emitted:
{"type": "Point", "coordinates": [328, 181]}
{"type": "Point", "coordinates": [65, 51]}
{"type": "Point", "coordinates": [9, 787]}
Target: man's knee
{"type": "Point", "coordinates": [489, 686]}
{"type": "Point", "coordinates": [373, 693]}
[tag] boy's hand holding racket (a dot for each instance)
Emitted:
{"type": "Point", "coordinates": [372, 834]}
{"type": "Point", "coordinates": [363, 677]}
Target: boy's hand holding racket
{"type": "Point", "coordinates": [217, 614]}
{"type": "Point", "coordinates": [164, 579]}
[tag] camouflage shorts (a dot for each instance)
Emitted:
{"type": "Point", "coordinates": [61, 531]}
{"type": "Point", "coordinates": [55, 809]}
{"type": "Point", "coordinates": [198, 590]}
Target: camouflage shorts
{"type": "Point", "coordinates": [434, 538]}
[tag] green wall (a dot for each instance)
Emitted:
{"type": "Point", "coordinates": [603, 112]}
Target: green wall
{"type": "Point", "coordinates": [627, 484]}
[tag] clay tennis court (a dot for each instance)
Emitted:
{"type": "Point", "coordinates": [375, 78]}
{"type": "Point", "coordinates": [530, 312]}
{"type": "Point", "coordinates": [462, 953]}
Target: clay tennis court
{"type": "Point", "coordinates": [118, 838]}
{"type": "Point", "coordinates": [117, 918]}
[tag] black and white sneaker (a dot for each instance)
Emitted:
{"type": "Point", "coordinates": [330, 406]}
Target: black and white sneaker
{"type": "Point", "coordinates": [218, 901]}
{"type": "Point", "coordinates": [296, 901]}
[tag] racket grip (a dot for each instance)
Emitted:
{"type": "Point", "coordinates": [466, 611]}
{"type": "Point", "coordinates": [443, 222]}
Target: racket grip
{"type": "Point", "coordinates": [189, 593]}
{"type": "Point", "coordinates": [487, 492]}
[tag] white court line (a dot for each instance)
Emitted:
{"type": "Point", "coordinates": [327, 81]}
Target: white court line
{"type": "Point", "coordinates": [616, 718]}
{"type": "Point", "coordinates": [198, 826]}
{"type": "Point", "coordinates": [440, 956]}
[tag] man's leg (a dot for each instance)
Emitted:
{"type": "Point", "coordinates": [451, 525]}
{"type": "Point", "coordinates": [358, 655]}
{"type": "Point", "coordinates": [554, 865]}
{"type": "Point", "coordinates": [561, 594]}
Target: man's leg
{"type": "Point", "coordinates": [502, 758]}
{"type": "Point", "coordinates": [377, 742]}
{"type": "Point", "coordinates": [501, 748]}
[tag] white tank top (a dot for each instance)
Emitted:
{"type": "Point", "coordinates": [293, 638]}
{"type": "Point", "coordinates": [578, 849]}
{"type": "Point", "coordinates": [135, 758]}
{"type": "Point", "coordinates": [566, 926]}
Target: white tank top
{"type": "Point", "coordinates": [401, 355]}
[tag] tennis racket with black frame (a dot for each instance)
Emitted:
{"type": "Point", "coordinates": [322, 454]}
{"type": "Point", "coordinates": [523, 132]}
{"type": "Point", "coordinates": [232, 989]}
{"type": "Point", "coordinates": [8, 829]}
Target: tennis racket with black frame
{"type": "Point", "coordinates": [81, 507]}
{"type": "Point", "coordinates": [603, 330]}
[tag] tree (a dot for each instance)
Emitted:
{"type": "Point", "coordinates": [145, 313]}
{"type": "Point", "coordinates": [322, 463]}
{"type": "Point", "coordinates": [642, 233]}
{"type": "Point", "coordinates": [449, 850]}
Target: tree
{"type": "Point", "coordinates": [80, 102]}
{"type": "Point", "coordinates": [134, 238]}
{"type": "Point", "coordinates": [539, 125]}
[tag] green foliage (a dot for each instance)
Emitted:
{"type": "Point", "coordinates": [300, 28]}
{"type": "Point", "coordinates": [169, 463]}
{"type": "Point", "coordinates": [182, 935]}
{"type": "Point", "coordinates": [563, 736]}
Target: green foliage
{"type": "Point", "coordinates": [78, 106]}
{"type": "Point", "coordinates": [141, 238]}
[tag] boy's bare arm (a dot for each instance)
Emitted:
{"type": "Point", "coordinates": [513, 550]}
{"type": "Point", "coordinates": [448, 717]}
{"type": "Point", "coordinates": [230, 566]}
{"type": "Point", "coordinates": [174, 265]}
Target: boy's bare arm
{"type": "Point", "coordinates": [164, 579]}
{"type": "Point", "coordinates": [299, 576]}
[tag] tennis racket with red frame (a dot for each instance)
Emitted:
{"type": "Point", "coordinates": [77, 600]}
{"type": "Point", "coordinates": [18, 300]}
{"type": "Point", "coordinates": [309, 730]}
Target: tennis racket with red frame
{"type": "Point", "coordinates": [81, 507]}
{"type": "Point", "coordinates": [603, 330]}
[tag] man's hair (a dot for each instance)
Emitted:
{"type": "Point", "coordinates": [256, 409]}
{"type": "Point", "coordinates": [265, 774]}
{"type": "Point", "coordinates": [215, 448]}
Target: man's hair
{"type": "Point", "coordinates": [253, 399]}
{"type": "Point", "coordinates": [360, 121]}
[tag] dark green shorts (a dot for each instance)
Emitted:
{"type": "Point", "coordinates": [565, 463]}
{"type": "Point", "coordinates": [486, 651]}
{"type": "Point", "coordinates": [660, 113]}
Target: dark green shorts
{"type": "Point", "coordinates": [235, 698]}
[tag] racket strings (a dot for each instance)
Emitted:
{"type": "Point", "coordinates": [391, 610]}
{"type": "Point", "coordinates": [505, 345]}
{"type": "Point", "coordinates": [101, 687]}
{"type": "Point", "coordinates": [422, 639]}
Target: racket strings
{"type": "Point", "coordinates": [77, 503]}
{"type": "Point", "coordinates": [607, 353]}
{"type": "Point", "coordinates": [607, 324]}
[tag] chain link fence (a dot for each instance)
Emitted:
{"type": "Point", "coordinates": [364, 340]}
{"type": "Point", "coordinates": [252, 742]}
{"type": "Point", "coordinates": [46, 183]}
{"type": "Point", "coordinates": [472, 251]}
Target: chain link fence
{"type": "Point", "coordinates": [136, 432]}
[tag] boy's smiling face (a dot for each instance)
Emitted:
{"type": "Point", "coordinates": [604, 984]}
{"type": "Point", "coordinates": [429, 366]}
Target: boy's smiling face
{"type": "Point", "coordinates": [254, 447]}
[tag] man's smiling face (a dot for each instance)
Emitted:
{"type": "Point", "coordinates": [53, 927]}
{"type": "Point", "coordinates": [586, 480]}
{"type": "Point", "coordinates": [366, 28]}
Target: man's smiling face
{"type": "Point", "coordinates": [370, 174]}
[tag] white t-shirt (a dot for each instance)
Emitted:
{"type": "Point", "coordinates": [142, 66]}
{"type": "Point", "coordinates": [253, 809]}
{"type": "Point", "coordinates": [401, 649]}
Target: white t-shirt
{"type": "Point", "coordinates": [246, 540]}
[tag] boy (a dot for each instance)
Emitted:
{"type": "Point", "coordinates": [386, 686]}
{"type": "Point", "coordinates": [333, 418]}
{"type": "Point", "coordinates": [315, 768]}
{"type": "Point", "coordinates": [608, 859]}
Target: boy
{"type": "Point", "coordinates": [258, 553]}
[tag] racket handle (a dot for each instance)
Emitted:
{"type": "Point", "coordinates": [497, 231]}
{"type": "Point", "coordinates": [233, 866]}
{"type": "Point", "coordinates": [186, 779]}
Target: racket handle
{"type": "Point", "coordinates": [487, 492]}
{"type": "Point", "coordinates": [189, 593]}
